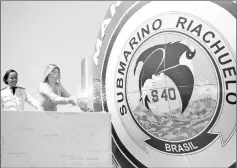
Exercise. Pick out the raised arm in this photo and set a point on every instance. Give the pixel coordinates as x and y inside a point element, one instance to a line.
<point>47,91</point>
<point>32,101</point>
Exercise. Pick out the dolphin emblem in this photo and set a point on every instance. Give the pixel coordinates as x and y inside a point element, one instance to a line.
<point>166,58</point>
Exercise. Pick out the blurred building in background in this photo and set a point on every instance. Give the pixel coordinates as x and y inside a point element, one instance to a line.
<point>83,74</point>
<point>86,73</point>
<point>87,78</point>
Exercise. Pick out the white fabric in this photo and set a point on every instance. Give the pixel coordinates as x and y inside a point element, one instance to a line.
<point>10,102</point>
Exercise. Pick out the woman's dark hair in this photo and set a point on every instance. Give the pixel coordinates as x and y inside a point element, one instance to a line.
<point>5,77</point>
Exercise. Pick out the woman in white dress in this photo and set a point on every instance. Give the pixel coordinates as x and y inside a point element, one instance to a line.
<point>51,91</point>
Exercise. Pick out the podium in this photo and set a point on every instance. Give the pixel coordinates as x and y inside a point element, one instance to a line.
<point>55,139</point>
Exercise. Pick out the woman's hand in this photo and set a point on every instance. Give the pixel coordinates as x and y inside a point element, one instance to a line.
<point>40,109</point>
<point>82,103</point>
<point>72,100</point>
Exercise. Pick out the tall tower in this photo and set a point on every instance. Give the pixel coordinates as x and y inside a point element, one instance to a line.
<point>83,74</point>
<point>87,78</point>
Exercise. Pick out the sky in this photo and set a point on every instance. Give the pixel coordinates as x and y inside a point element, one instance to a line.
<point>37,33</point>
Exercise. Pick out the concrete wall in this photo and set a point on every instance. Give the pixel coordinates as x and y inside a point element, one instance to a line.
<point>55,139</point>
